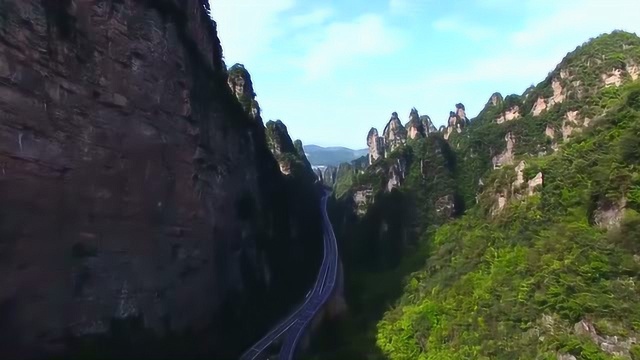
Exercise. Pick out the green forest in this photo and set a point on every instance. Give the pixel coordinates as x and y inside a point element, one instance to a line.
<point>437,268</point>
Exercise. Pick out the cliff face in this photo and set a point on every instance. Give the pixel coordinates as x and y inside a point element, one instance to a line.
<point>415,127</point>
<point>134,188</point>
<point>289,154</point>
<point>395,135</point>
<point>240,83</point>
<point>375,144</point>
<point>457,121</point>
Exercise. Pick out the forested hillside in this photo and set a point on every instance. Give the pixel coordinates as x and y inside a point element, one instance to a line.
<point>517,237</point>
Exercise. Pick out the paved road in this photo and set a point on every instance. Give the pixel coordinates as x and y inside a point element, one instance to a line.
<point>293,327</point>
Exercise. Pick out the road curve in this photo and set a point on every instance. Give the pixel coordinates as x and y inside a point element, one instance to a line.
<point>293,327</point>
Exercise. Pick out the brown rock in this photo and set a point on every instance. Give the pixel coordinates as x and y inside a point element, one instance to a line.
<point>395,135</point>
<point>119,201</point>
<point>376,145</point>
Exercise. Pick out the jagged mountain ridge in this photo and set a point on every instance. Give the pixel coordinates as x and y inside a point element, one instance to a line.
<point>549,188</point>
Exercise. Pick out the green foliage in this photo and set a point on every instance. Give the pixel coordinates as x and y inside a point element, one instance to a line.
<point>509,285</point>
<point>635,352</point>
<point>489,284</point>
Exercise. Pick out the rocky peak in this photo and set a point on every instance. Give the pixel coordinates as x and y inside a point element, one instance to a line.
<point>290,155</point>
<point>415,127</point>
<point>239,81</point>
<point>395,135</point>
<point>495,100</point>
<point>376,145</point>
<point>300,152</point>
<point>457,120</point>
<point>429,128</point>
<point>461,112</point>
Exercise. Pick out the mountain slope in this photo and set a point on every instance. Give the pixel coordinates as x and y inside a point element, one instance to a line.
<point>536,278</point>
<point>530,230</point>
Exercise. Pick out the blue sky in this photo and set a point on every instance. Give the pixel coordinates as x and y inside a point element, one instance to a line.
<point>330,69</point>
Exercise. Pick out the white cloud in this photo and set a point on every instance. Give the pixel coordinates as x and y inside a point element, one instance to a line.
<point>345,43</point>
<point>571,20</point>
<point>247,27</point>
<point>459,26</point>
<point>313,18</point>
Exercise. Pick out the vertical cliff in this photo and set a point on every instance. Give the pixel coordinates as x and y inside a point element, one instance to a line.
<point>139,201</point>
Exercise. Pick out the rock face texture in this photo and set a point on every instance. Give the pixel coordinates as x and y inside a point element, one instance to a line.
<point>506,157</point>
<point>289,154</point>
<point>613,345</point>
<point>134,188</point>
<point>496,99</point>
<point>457,121</point>
<point>397,173</point>
<point>608,215</point>
<point>415,128</point>
<point>241,85</point>
<point>427,124</point>
<point>327,174</point>
<point>362,198</point>
<point>395,135</point>
<point>376,145</point>
<point>510,114</point>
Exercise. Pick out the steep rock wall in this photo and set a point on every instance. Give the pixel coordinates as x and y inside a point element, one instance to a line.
<point>133,187</point>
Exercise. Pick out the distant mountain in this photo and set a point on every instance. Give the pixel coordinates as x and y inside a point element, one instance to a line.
<point>331,156</point>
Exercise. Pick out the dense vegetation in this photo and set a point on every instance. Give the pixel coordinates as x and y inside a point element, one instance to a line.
<point>493,288</point>
<point>511,283</point>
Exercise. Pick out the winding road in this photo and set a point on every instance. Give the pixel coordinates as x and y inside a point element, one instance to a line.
<point>292,329</point>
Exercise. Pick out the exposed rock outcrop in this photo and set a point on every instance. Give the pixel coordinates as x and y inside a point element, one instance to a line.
<point>506,157</point>
<point>612,345</point>
<point>395,135</point>
<point>327,174</point>
<point>241,85</point>
<point>520,189</point>
<point>415,128</point>
<point>550,132</point>
<point>397,173</point>
<point>558,93</point>
<point>609,214</point>
<point>500,202</point>
<point>362,198</point>
<point>290,155</point>
<point>457,120</point>
<point>613,78</point>
<point>496,99</point>
<point>532,184</point>
<point>427,124</point>
<point>539,106</point>
<point>572,123</point>
<point>135,190</point>
<point>510,114</point>
<point>376,145</point>
<point>634,71</point>
<point>535,183</point>
<point>445,207</point>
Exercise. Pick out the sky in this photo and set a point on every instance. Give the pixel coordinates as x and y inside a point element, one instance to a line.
<point>332,69</point>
